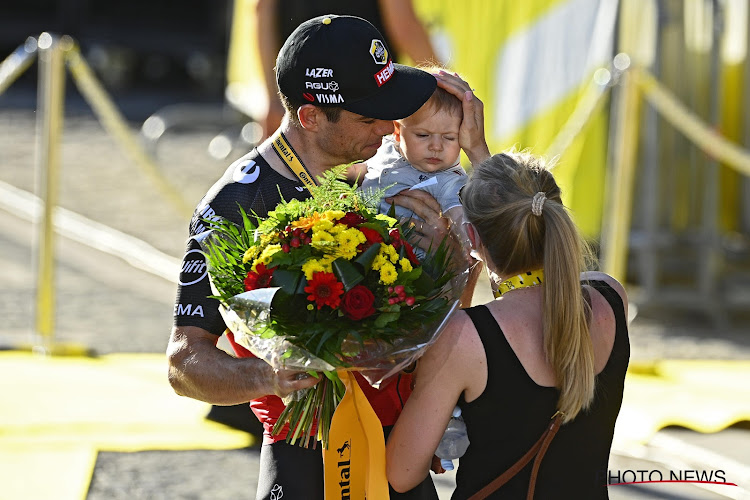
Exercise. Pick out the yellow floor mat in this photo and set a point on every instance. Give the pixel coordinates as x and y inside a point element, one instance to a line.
<point>57,412</point>
<point>705,396</point>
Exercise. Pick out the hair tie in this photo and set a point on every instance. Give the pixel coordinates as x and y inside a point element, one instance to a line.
<point>537,203</point>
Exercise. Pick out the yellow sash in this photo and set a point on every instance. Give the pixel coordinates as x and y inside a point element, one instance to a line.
<point>354,463</point>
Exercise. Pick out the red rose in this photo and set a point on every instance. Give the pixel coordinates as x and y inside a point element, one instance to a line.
<point>371,235</point>
<point>357,303</point>
<point>352,219</point>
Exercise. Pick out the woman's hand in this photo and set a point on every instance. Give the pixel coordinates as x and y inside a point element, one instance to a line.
<point>471,134</point>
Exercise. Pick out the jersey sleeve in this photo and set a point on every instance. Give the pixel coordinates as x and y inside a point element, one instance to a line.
<point>249,183</point>
<point>193,307</point>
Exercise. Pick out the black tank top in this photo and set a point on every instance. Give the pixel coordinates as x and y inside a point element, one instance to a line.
<point>513,411</point>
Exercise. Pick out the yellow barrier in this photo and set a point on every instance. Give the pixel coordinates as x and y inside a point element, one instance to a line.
<point>51,94</point>
<point>639,82</point>
<point>589,105</point>
<point>54,52</point>
<point>690,125</point>
<point>15,64</point>
<point>620,186</point>
<point>115,124</point>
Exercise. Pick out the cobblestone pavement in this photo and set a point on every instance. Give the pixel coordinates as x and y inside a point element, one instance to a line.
<point>111,307</point>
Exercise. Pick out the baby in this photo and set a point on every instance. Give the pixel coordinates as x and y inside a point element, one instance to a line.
<point>423,153</point>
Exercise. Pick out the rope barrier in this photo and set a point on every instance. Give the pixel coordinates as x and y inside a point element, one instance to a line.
<point>113,121</point>
<point>16,63</point>
<point>690,125</point>
<point>54,53</point>
<point>589,104</point>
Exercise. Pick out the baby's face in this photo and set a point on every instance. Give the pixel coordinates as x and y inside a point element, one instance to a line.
<point>429,140</point>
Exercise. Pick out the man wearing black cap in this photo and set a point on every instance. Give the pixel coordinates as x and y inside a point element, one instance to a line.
<point>340,89</point>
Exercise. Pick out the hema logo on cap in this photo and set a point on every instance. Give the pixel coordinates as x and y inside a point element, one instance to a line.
<point>378,52</point>
<point>385,74</point>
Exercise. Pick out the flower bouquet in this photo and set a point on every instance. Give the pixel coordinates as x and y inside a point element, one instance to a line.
<point>326,284</point>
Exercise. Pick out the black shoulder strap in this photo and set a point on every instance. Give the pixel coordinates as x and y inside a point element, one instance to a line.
<point>489,331</point>
<point>614,300</point>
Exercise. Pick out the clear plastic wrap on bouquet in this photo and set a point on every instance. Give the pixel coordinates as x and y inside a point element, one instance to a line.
<point>248,316</point>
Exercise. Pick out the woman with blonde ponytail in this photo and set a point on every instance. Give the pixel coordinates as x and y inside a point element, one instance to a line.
<point>551,351</point>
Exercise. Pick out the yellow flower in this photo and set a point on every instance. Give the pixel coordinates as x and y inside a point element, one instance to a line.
<point>250,254</point>
<point>266,254</point>
<point>405,265</point>
<point>389,252</point>
<point>390,220</point>
<point>323,225</point>
<point>327,263</point>
<point>339,228</point>
<point>312,266</point>
<point>388,273</point>
<point>379,261</point>
<point>348,241</point>
<point>333,215</point>
<point>266,239</point>
<point>322,239</point>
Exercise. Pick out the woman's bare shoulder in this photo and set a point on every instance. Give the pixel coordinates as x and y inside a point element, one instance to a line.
<point>616,285</point>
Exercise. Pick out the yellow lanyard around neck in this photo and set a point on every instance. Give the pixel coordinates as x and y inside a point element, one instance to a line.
<point>289,156</point>
<point>527,279</point>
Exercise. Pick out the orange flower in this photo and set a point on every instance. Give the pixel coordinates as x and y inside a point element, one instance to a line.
<point>325,290</point>
<point>306,223</point>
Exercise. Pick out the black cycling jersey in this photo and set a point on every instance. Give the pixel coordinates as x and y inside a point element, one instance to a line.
<point>251,183</point>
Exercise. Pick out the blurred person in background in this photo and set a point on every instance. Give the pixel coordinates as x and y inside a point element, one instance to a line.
<point>396,20</point>
<point>341,91</point>
<point>553,348</point>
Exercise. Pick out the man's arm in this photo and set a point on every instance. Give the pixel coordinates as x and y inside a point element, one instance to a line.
<point>198,369</point>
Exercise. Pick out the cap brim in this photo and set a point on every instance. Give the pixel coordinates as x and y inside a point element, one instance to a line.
<point>406,92</point>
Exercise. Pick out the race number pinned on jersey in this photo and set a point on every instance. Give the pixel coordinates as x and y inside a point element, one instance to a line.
<point>354,463</point>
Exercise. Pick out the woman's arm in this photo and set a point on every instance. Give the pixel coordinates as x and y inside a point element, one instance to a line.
<point>441,377</point>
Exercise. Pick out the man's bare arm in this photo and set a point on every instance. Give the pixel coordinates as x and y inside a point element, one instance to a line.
<point>198,369</point>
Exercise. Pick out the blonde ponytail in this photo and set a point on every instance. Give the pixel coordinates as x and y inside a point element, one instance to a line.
<point>514,202</point>
<point>565,315</point>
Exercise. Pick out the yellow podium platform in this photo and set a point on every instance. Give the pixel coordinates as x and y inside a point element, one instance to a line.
<point>56,413</point>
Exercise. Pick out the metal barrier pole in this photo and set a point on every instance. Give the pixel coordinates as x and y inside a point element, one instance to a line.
<point>709,256</point>
<point>50,96</point>
<point>616,223</point>
<point>15,64</point>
